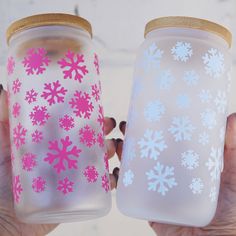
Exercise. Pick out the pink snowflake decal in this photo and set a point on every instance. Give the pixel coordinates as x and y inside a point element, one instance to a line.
<point>37,136</point>
<point>65,186</point>
<point>54,92</point>
<point>81,103</point>
<point>31,96</point>
<point>16,188</point>
<point>16,109</point>
<point>106,161</point>
<point>62,155</point>
<point>39,184</point>
<point>87,136</point>
<point>105,183</point>
<point>96,63</point>
<point>19,134</point>
<point>101,117</point>
<point>96,92</point>
<point>100,140</point>
<point>67,122</point>
<point>28,161</point>
<point>10,65</point>
<point>73,66</point>
<point>39,116</point>
<point>16,86</point>
<point>91,174</point>
<point>36,61</point>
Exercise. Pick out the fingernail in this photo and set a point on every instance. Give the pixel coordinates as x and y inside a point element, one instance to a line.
<point>113,121</point>
<point>115,142</point>
<point>1,88</point>
<point>122,125</point>
<point>115,172</point>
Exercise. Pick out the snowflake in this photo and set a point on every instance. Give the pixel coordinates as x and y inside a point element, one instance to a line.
<point>106,161</point>
<point>209,118</point>
<point>73,66</point>
<point>129,150</point>
<point>96,92</point>
<point>16,188</point>
<point>154,111</point>
<point>100,140</point>
<point>19,134</point>
<point>37,136</point>
<point>36,61</point>
<point>128,178</point>
<point>54,92</point>
<point>87,136</point>
<point>205,96</point>
<point>213,194</point>
<point>165,80</point>
<point>190,159</point>
<point>91,174</point>
<point>38,184</point>
<point>221,102</point>
<point>203,138</point>
<point>16,86</point>
<point>39,116</point>
<point>196,186</point>
<point>62,155</point>
<point>100,118</point>
<point>214,63</point>
<point>105,183</point>
<point>191,77</point>
<point>66,122</point>
<point>152,144</point>
<point>222,134</point>
<point>183,101</point>
<point>181,128</point>
<point>16,109</point>
<point>214,163</point>
<point>10,65</point>
<point>28,161</point>
<point>96,63</point>
<point>152,57</point>
<point>31,96</point>
<point>82,105</point>
<point>65,186</point>
<point>182,51</point>
<point>161,178</point>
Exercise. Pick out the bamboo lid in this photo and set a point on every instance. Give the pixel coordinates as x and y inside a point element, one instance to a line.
<point>189,22</point>
<point>48,19</point>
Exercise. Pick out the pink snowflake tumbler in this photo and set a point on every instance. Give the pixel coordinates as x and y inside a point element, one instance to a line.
<point>59,161</point>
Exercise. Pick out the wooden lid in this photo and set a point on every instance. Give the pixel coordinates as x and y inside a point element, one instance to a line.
<point>189,22</point>
<point>48,19</point>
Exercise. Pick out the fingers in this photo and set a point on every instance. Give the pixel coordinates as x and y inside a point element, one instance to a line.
<point>111,147</point>
<point>119,147</point>
<point>109,124</point>
<point>114,178</point>
<point>122,127</point>
<point>3,105</point>
<point>230,136</point>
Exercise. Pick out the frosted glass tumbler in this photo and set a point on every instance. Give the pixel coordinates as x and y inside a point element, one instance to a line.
<point>174,142</point>
<point>59,163</point>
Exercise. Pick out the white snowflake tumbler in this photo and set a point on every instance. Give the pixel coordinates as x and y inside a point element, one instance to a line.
<point>59,163</point>
<point>174,142</point>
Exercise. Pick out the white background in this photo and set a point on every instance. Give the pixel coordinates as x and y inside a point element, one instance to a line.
<point>118,28</point>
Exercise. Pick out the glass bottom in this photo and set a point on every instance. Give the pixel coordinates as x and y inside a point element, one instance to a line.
<point>52,217</point>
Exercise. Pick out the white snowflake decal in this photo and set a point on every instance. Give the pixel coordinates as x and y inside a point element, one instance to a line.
<point>221,102</point>
<point>128,178</point>
<point>196,186</point>
<point>190,159</point>
<point>205,96</point>
<point>165,80</point>
<point>152,144</point>
<point>214,63</point>
<point>203,138</point>
<point>152,57</point>
<point>183,101</point>
<point>182,51</point>
<point>161,179</point>
<point>213,194</point>
<point>154,111</point>
<point>209,118</point>
<point>181,128</point>
<point>129,150</point>
<point>191,78</point>
<point>214,163</point>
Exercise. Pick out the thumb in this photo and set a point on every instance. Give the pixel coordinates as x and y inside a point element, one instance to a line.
<point>3,105</point>
<point>230,136</point>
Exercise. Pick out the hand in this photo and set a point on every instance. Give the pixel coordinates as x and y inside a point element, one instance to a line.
<point>9,224</point>
<point>224,222</point>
